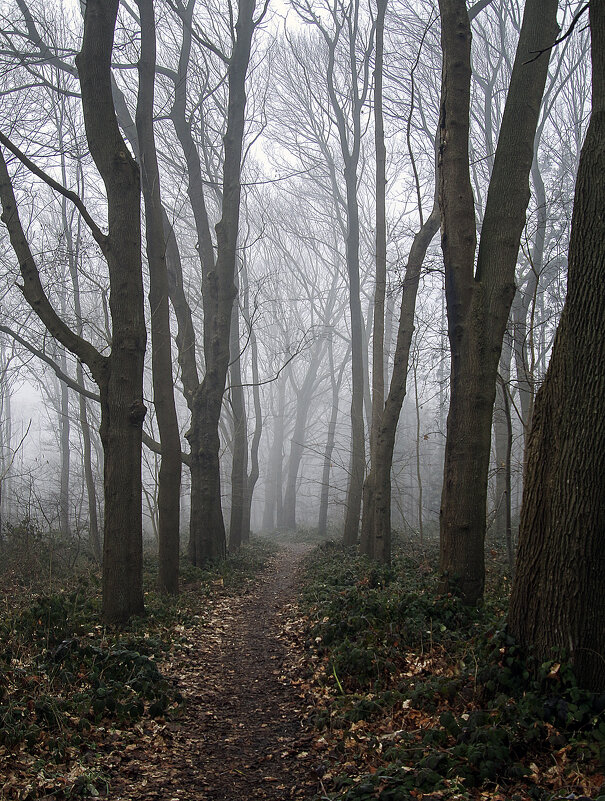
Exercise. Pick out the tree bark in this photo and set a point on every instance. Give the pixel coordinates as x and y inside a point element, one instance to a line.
<point>501,421</point>
<point>258,414</point>
<point>169,479</point>
<point>479,301</point>
<point>121,388</point>
<point>557,603</point>
<point>119,375</point>
<point>218,293</point>
<point>239,465</point>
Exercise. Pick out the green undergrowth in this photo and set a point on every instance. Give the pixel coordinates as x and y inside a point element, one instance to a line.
<point>66,679</point>
<point>427,698</point>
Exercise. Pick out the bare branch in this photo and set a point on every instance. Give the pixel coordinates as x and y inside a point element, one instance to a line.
<point>99,237</point>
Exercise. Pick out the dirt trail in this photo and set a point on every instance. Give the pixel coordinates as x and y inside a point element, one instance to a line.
<point>242,734</point>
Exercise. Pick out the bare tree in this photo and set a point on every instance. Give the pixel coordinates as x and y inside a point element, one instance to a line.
<point>479,298</point>
<point>119,375</point>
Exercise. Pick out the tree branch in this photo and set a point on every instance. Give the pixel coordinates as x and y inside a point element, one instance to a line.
<point>61,375</point>
<point>32,286</point>
<point>99,237</point>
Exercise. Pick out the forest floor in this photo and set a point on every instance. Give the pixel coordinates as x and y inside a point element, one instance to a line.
<point>241,734</point>
<point>284,673</point>
<point>200,700</point>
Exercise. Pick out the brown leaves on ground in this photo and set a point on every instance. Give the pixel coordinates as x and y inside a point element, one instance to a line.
<point>241,731</point>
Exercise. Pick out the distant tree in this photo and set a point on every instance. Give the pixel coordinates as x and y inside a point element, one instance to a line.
<point>557,602</point>
<point>346,49</point>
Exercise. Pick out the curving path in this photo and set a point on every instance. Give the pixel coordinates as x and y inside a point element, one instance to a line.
<point>242,734</point>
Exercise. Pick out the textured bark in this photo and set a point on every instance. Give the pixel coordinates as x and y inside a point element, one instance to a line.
<point>479,301</point>
<point>557,603</point>
<point>122,409</point>
<point>218,293</point>
<point>169,478</point>
<point>119,375</point>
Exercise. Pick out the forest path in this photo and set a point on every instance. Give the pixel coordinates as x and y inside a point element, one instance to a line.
<point>241,735</point>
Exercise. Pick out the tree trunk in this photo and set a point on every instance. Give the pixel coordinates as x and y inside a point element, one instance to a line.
<point>64,430</point>
<point>322,525</point>
<point>119,375</point>
<point>378,383</point>
<point>376,523</point>
<point>91,491</point>
<point>258,414</point>
<point>557,603</point>
<point>239,466</point>
<point>524,305</point>
<point>357,463</point>
<point>304,396</point>
<point>418,470</point>
<point>501,427</point>
<point>479,301</point>
<point>169,480</point>
<point>273,486</point>
<point>121,388</point>
<point>218,292</point>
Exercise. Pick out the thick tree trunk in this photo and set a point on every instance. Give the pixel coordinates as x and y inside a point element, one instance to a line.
<point>479,301</point>
<point>121,388</point>
<point>119,375</point>
<point>558,603</point>
<point>169,480</point>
